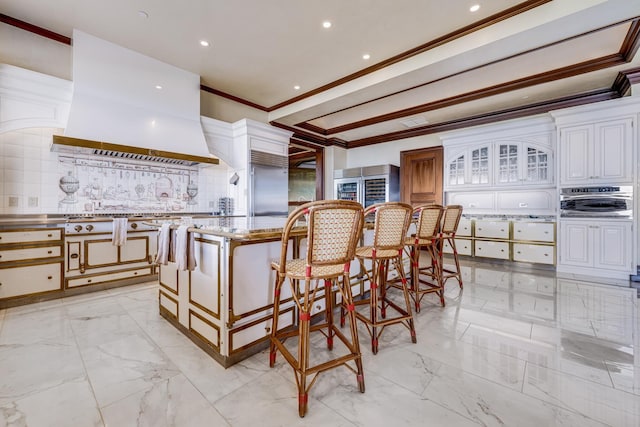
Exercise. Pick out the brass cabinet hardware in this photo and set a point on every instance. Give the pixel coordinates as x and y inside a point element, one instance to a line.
<point>82,267</point>
<point>73,256</point>
<point>49,235</point>
<point>232,318</point>
<point>89,281</point>
<point>77,228</point>
<point>134,225</point>
<point>89,227</point>
<point>49,252</point>
<point>49,277</point>
<point>267,329</point>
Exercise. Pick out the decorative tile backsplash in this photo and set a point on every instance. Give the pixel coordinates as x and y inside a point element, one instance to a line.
<point>36,180</point>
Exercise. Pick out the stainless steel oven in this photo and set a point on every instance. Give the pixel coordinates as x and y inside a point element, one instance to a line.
<point>604,201</point>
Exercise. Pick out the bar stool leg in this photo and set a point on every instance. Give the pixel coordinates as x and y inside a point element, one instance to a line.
<point>376,266</point>
<point>415,276</point>
<point>328,313</point>
<point>303,350</point>
<point>355,342</point>
<point>407,298</point>
<point>458,272</point>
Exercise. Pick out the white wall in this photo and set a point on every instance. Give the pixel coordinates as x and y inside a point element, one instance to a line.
<point>388,152</point>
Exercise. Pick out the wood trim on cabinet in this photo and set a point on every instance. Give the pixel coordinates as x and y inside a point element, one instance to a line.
<point>232,332</point>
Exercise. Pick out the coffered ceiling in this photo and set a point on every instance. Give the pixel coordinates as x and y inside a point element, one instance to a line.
<point>433,65</point>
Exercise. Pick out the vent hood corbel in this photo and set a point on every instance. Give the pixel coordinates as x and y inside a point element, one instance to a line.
<point>127,105</point>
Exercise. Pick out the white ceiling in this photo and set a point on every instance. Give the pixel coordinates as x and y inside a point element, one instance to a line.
<point>259,50</point>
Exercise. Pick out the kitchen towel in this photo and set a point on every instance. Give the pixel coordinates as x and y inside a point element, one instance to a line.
<point>185,249</point>
<point>164,235</point>
<point>119,231</point>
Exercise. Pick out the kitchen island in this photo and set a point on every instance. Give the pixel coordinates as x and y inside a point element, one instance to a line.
<point>225,305</point>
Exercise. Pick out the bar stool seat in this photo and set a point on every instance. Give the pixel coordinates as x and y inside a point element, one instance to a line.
<point>392,221</point>
<point>333,230</point>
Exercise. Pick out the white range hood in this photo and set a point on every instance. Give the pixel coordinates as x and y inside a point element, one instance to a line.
<point>125,101</point>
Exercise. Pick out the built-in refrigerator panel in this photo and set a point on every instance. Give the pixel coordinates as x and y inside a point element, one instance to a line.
<point>269,189</point>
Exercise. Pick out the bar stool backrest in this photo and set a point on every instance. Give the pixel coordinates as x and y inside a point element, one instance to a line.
<point>333,231</point>
<point>452,214</point>
<point>392,221</point>
<point>429,219</point>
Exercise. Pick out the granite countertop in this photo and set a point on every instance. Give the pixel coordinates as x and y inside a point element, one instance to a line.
<point>238,228</point>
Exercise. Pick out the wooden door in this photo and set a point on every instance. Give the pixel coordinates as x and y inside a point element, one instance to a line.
<point>421,176</point>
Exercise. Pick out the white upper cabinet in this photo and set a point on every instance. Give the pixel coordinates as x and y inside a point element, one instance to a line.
<point>521,162</point>
<point>504,155</point>
<point>597,153</point>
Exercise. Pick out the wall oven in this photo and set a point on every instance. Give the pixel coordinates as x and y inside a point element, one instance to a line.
<point>609,201</point>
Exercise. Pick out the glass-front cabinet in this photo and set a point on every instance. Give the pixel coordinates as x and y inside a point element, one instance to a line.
<point>521,162</point>
<point>510,163</point>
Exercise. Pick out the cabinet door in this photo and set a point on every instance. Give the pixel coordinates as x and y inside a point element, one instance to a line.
<point>575,152</point>
<point>613,151</point>
<point>100,253</point>
<point>135,250</point>
<point>576,244</point>
<point>507,164</point>
<point>613,246</point>
<point>536,165</point>
<point>456,171</point>
<point>32,279</point>
<point>479,165</point>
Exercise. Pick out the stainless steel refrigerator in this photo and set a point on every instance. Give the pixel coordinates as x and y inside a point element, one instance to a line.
<point>368,185</point>
<point>269,189</point>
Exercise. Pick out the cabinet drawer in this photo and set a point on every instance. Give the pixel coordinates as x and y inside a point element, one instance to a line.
<point>541,254</point>
<point>18,281</point>
<point>241,337</point>
<point>168,303</point>
<point>100,278</point>
<point>492,229</point>
<point>30,236</point>
<point>30,253</point>
<point>464,227</point>
<point>534,231</point>
<point>205,329</point>
<point>489,249</point>
<point>462,245</point>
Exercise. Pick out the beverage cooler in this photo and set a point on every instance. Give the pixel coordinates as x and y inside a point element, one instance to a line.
<point>368,185</point>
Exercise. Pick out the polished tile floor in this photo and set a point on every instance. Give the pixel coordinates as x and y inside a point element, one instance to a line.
<point>514,348</point>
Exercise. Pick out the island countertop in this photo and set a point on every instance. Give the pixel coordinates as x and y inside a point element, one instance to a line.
<point>237,228</point>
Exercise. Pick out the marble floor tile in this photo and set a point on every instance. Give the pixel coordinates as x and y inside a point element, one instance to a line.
<point>514,347</point>
<point>605,404</point>
<point>122,367</point>
<point>69,404</point>
<point>171,402</point>
<point>490,404</point>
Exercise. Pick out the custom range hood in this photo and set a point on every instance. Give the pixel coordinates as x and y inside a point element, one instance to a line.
<point>127,105</point>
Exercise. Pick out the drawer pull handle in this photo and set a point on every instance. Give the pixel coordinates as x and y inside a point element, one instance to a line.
<point>89,281</point>
<point>49,235</point>
<point>49,252</point>
<point>73,256</point>
<point>49,277</point>
<point>519,252</point>
<point>135,273</point>
<point>134,225</point>
<point>267,329</point>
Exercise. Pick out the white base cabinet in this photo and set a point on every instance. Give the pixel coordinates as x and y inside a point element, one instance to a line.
<point>598,248</point>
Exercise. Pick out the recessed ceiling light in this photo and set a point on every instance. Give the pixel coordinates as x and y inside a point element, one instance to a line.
<point>142,14</point>
<point>158,87</point>
<point>474,8</point>
<point>204,43</point>
<point>366,56</point>
<point>296,87</point>
<point>326,24</point>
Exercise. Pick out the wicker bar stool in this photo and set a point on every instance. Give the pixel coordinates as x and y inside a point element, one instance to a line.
<point>333,230</point>
<point>450,221</point>
<point>391,223</point>
<point>426,278</point>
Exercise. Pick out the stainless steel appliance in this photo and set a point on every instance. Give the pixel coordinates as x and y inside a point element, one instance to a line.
<point>368,185</point>
<point>604,201</point>
<point>269,189</point>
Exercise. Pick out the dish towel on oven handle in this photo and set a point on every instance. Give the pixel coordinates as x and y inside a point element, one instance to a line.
<point>164,235</point>
<point>185,249</point>
<point>119,231</point>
